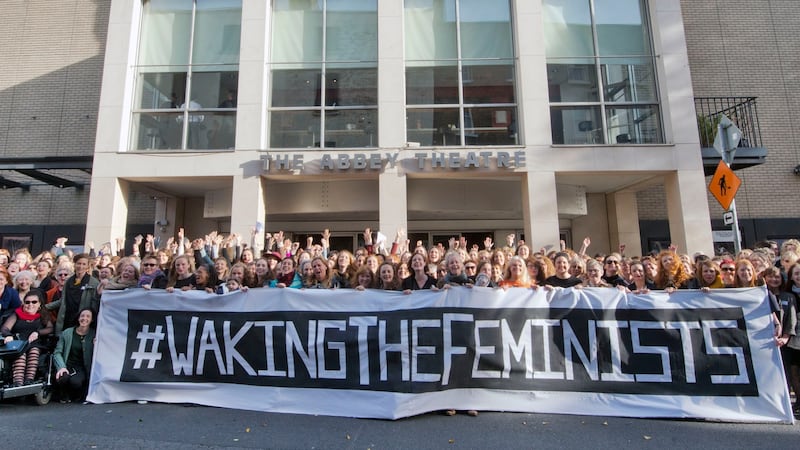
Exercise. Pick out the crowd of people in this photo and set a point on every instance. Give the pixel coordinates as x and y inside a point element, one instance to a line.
<point>58,293</point>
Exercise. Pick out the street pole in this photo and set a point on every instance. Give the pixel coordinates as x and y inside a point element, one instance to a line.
<point>728,159</point>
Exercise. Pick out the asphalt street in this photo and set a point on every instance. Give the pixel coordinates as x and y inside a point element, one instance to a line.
<point>131,425</point>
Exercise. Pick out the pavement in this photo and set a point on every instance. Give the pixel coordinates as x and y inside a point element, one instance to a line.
<point>153,425</point>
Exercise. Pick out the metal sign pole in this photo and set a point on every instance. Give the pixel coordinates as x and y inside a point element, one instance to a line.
<point>727,158</point>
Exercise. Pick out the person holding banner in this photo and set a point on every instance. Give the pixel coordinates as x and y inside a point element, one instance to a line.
<point>364,279</point>
<point>321,276</point>
<point>288,276</point>
<point>419,279</point>
<point>516,274</point>
<point>562,277</point>
<point>790,351</point>
<point>387,277</point>
<point>671,271</point>
<point>454,272</point>
<point>73,357</point>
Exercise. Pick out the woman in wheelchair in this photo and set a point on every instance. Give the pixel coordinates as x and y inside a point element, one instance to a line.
<point>27,323</point>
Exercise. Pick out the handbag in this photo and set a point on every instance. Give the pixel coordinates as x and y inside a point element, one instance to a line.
<point>15,346</point>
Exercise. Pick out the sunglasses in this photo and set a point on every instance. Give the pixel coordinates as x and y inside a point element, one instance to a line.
<point>612,262</point>
<point>728,269</point>
<point>63,275</point>
<point>470,267</point>
<point>149,264</point>
<point>35,302</point>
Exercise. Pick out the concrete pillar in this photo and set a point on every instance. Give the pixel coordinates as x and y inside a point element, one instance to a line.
<point>108,210</point>
<point>540,210</point>
<point>251,106</point>
<point>391,75</point>
<point>248,208</point>
<point>392,202</point>
<point>623,222</point>
<point>687,210</point>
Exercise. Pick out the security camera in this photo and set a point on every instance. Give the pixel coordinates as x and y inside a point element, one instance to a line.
<point>162,222</point>
<point>796,170</point>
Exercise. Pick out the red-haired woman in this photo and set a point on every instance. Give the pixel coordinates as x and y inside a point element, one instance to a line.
<point>671,271</point>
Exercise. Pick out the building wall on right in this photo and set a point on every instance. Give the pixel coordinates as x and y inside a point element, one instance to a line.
<point>750,48</point>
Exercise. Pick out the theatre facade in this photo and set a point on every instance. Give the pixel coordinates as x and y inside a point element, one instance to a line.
<point>439,117</point>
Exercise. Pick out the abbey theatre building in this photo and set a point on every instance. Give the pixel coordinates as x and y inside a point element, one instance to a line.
<point>441,117</point>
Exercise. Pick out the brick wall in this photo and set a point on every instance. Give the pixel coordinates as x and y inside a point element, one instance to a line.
<point>750,48</point>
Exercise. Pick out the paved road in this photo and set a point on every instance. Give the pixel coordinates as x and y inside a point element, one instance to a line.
<point>130,425</point>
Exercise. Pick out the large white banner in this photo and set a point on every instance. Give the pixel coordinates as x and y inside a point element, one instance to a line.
<point>388,355</point>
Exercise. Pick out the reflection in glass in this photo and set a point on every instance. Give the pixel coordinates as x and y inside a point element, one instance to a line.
<point>488,84</point>
<point>217,32</point>
<point>482,126</point>
<point>161,90</point>
<point>620,29</point>
<point>575,125</point>
<point>154,130</point>
<point>634,124</point>
<point>485,29</point>
<point>432,85</point>
<point>629,80</point>
<point>567,28</point>
<point>351,128</point>
<point>294,129</point>
<point>572,82</point>
<point>213,89</point>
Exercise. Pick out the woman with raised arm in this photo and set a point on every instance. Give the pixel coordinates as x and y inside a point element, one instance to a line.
<point>80,291</point>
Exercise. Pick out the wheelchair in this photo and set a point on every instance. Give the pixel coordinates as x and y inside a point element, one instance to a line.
<point>41,388</point>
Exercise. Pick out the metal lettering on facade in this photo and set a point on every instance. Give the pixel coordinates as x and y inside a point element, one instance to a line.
<point>377,161</point>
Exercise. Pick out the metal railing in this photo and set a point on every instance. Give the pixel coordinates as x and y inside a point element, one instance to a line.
<point>742,111</point>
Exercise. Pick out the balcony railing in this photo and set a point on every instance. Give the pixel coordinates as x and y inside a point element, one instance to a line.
<point>743,112</point>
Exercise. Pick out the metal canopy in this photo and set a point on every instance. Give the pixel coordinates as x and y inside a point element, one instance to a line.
<point>70,171</point>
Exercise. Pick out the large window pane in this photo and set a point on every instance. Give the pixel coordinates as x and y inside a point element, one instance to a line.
<point>567,28</point>
<point>352,30</point>
<point>629,80</point>
<point>166,32</point>
<point>634,124</point>
<point>213,89</point>
<point>351,87</point>
<point>160,90</point>
<point>433,127</point>
<point>488,83</point>
<point>430,31</point>
<point>296,31</point>
<point>490,126</point>
<point>432,85</point>
<point>221,129</point>
<point>620,29</point>
<point>299,87</point>
<point>576,125</point>
<point>572,82</point>
<point>217,32</point>
<point>157,131</point>
<point>485,29</point>
<point>294,129</point>
<point>351,128</point>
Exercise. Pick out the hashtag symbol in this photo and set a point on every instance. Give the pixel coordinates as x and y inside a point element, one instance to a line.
<point>151,356</point>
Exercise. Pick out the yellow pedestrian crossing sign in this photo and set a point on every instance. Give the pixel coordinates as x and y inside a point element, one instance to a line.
<point>724,185</point>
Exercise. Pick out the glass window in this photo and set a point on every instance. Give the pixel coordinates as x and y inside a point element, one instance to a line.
<point>601,72</point>
<point>460,87</point>
<point>188,75</point>
<point>324,74</point>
